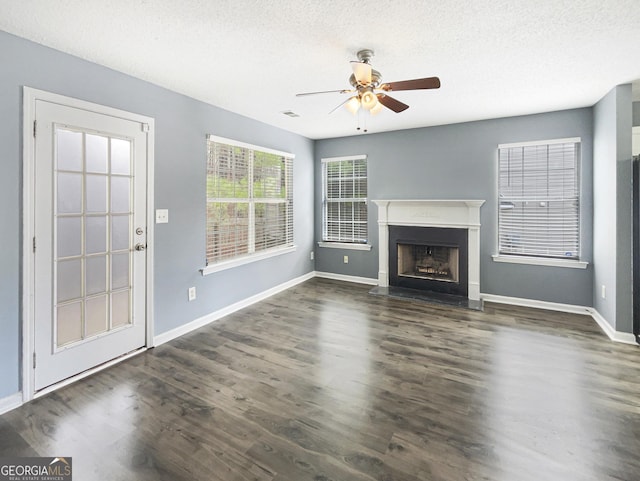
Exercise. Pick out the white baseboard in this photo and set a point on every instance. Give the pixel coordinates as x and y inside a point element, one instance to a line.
<point>343,277</point>
<point>225,311</point>
<point>550,306</point>
<point>624,337</point>
<point>10,402</point>
<point>617,336</point>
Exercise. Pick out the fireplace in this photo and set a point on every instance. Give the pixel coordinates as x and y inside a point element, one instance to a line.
<point>429,258</point>
<point>429,262</point>
<point>450,224</point>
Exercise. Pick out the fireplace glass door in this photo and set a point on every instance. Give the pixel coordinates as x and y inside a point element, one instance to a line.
<point>438,263</point>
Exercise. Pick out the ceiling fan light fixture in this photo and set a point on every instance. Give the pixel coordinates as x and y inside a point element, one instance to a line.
<point>368,99</point>
<point>376,108</point>
<point>352,105</point>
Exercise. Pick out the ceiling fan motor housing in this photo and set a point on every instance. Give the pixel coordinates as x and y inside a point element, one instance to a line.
<point>365,55</point>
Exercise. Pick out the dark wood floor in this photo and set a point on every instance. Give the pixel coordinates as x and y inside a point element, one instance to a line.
<point>324,382</point>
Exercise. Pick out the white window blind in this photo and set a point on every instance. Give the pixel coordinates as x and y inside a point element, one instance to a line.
<point>344,182</point>
<point>539,204</point>
<point>249,200</point>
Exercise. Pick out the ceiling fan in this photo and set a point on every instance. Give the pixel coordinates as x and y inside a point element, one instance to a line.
<point>369,93</point>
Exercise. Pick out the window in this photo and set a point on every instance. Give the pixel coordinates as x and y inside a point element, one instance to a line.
<point>344,185</point>
<point>249,200</point>
<point>539,204</point>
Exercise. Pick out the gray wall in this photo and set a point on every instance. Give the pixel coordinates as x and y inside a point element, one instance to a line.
<point>180,167</point>
<point>460,162</point>
<point>613,212</point>
<point>636,114</point>
<point>604,199</point>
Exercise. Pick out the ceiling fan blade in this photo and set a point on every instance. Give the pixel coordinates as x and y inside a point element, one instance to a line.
<point>416,84</point>
<point>392,103</point>
<point>362,72</point>
<point>341,91</point>
<point>340,105</point>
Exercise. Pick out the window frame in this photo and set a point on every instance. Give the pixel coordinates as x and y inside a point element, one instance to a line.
<point>343,243</point>
<point>532,258</point>
<point>251,200</point>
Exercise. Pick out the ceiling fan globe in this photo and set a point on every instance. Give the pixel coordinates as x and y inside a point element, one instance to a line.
<point>368,99</point>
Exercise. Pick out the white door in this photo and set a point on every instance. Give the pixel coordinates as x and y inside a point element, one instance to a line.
<point>90,238</point>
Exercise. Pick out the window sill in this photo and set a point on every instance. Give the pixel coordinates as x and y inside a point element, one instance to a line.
<point>540,261</point>
<point>224,265</point>
<point>345,245</point>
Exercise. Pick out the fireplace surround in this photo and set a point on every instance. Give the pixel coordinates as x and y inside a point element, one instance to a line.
<point>463,215</point>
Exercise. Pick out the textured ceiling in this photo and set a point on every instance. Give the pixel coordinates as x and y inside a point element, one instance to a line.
<point>495,58</point>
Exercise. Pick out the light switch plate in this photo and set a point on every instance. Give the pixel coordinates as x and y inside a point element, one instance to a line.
<point>162,216</point>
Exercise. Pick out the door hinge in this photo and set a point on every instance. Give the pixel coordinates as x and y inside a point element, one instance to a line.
<point>145,127</point>
<point>34,127</point>
<point>34,244</point>
<point>34,360</point>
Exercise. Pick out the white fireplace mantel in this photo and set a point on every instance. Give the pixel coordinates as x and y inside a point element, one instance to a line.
<point>457,214</point>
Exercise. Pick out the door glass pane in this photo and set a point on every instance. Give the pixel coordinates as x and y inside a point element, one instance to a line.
<point>96,234</point>
<point>97,153</point>
<point>95,316</point>
<point>69,195</point>
<point>119,309</point>
<point>96,275</point>
<point>120,194</point>
<point>69,236</point>
<point>119,232</point>
<point>69,323</point>
<point>93,219</point>
<point>120,270</point>
<point>69,279</point>
<point>69,150</point>
<point>120,156</point>
<point>96,195</point>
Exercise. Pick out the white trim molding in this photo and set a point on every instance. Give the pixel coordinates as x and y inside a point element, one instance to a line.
<point>345,245</point>
<point>454,213</point>
<point>540,261</point>
<point>11,402</point>
<point>617,336</point>
<point>568,140</point>
<point>248,259</point>
<point>225,311</point>
<point>244,145</point>
<point>549,306</point>
<point>346,157</point>
<point>346,278</point>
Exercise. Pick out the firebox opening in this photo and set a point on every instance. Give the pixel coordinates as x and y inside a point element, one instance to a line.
<point>432,262</point>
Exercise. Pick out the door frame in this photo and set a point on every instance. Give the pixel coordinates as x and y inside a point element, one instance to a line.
<point>30,96</point>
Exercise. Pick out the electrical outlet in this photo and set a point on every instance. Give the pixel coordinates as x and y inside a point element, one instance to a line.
<point>311,255</point>
<point>603,292</point>
<point>192,294</point>
<point>345,259</point>
<point>162,216</point>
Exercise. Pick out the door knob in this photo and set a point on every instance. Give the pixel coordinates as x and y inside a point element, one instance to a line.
<point>140,247</point>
